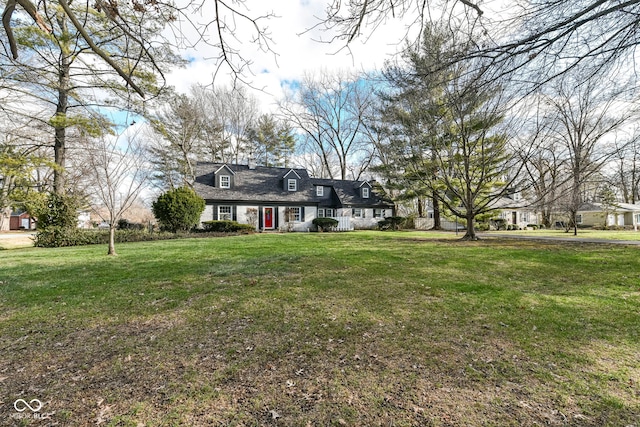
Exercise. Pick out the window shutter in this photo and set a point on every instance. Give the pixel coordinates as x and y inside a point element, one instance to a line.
<point>302,214</point>
<point>215,212</point>
<point>234,213</point>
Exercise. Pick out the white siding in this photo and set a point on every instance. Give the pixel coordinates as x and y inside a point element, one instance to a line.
<point>207,214</point>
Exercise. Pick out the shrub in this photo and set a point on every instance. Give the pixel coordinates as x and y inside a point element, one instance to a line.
<point>482,226</point>
<point>224,226</point>
<point>500,223</point>
<point>178,209</point>
<point>54,237</point>
<point>124,224</point>
<point>325,224</point>
<point>532,226</point>
<point>391,223</point>
<point>55,210</point>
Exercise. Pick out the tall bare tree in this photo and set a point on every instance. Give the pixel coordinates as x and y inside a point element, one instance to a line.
<point>583,118</point>
<point>330,110</point>
<point>626,173</point>
<point>178,128</point>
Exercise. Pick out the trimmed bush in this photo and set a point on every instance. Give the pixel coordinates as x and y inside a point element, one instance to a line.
<point>325,224</point>
<point>225,226</point>
<point>178,209</point>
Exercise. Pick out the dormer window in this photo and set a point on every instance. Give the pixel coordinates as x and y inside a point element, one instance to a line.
<point>292,185</point>
<point>365,192</point>
<point>225,181</point>
<point>319,191</point>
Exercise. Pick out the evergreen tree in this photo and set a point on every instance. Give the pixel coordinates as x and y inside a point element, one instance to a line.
<point>443,128</point>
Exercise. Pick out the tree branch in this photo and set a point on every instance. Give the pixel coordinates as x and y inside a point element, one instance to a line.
<point>102,54</point>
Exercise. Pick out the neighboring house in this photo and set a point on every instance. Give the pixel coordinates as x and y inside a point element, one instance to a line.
<point>622,214</point>
<point>510,209</point>
<point>84,219</point>
<point>514,210</point>
<point>286,198</point>
<point>21,221</point>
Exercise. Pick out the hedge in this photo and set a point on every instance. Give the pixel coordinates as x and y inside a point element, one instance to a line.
<point>58,237</point>
<point>325,224</point>
<point>225,226</point>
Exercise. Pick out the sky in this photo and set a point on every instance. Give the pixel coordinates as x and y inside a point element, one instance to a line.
<point>297,50</point>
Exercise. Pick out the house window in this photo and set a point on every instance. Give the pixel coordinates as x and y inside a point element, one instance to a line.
<point>578,218</point>
<point>357,213</point>
<point>378,213</point>
<point>326,213</point>
<point>294,214</point>
<point>292,185</point>
<point>524,216</point>
<point>319,191</point>
<point>365,192</point>
<point>225,181</point>
<point>224,213</point>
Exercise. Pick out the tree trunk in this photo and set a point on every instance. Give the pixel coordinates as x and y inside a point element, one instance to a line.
<point>60,125</point>
<point>436,213</point>
<point>112,240</point>
<point>5,219</point>
<point>471,230</point>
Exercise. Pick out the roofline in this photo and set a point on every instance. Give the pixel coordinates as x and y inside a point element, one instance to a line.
<point>223,165</point>
<point>292,170</point>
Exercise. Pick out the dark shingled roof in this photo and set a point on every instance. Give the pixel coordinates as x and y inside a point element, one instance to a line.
<point>267,185</point>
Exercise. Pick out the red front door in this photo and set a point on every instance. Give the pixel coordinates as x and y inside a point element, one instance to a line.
<point>268,217</point>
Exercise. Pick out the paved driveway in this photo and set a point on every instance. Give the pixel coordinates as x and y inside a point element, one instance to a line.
<point>558,239</point>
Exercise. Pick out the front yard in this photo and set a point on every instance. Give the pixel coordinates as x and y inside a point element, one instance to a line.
<point>362,328</point>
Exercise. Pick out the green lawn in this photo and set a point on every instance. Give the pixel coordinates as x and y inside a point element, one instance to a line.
<point>322,329</point>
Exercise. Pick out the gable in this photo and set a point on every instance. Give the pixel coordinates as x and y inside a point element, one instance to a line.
<point>224,177</point>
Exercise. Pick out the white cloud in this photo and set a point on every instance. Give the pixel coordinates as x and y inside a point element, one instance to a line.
<point>297,47</point>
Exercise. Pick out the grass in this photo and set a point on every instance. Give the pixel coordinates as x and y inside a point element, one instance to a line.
<point>15,240</point>
<point>323,329</point>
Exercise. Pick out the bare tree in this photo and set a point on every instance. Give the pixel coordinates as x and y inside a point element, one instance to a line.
<point>349,20</point>
<point>178,130</point>
<point>583,117</point>
<point>238,111</point>
<point>626,173</point>
<point>330,110</point>
<point>119,171</point>
<point>541,40</point>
